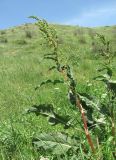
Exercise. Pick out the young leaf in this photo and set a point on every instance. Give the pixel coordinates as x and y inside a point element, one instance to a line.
<point>34,17</point>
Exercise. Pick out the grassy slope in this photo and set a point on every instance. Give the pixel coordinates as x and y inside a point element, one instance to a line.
<point>22,68</point>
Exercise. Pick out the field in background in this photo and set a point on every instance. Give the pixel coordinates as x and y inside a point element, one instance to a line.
<point>22,68</point>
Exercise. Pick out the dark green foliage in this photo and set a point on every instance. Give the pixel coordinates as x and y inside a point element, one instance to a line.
<point>78,32</point>
<point>110,100</point>
<point>105,49</point>
<point>106,78</point>
<point>28,34</point>
<point>110,84</point>
<point>82,40</point>
<point>21,42</point>
<point>108,69</point>
<point>95,48</point>
<point>102,46</point>
<point>91,33</point>
<point>3,40</point>
<point>48,111</point>
<point>13,30</point>
<point>3,32</point>
<point>43,109</point>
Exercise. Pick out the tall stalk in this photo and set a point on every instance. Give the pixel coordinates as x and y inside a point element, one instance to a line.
<point>110,84</point>
<point>52,39</point>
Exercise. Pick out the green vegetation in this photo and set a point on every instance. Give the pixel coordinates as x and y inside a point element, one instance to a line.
<point>23,66</point>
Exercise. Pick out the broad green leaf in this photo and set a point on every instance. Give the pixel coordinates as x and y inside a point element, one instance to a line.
<point>42,109</point>
<point>47,110</point>
<point>90,105</point>
<point>103,78</point>
<point>88,102</point>
<point>111,84</point>
<point>56,143</point>
<point>109,70</point>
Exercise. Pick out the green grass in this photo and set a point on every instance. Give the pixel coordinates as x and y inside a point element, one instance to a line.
<point>22,68</point>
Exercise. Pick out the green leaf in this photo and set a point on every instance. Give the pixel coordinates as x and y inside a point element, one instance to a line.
<point>90,105</point>
<point>47,110</point>
<point>56,143</point>
<point>101,77</point>
<point>34,17</point>
<point>88,102</point>
<point>57,119</point>
<point>111,85</point>
<point>54,82</point>
<point>102,38</point>
<point>109,70</point>
<point>42,109</point>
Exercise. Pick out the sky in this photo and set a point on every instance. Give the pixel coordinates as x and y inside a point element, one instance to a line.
<point>90,13</point>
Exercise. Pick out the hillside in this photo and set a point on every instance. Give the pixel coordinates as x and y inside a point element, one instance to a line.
<point>22,68</point>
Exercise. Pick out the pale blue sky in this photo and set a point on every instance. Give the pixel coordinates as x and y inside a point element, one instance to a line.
<point>70,12</point>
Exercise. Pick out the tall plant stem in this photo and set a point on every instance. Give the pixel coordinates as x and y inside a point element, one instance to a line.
<point>79,105</point>
<point>52,39</point>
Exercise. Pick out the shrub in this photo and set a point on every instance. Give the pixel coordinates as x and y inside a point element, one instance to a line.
<point>3,40</point>
<point>82,40</point>
<point>78,32</point>
<point>21,42</point>
<point>91,33</point>
<point>28,34</point>
<point>95,47</point>
<point>60,40</point>
<point>12,30</point>
<point>3,32</point>
<point>52,39</point>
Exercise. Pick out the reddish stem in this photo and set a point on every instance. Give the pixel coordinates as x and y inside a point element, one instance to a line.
<point>78,104</point>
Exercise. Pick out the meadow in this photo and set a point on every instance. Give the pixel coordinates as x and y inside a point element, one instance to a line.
<point>22,68</point>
